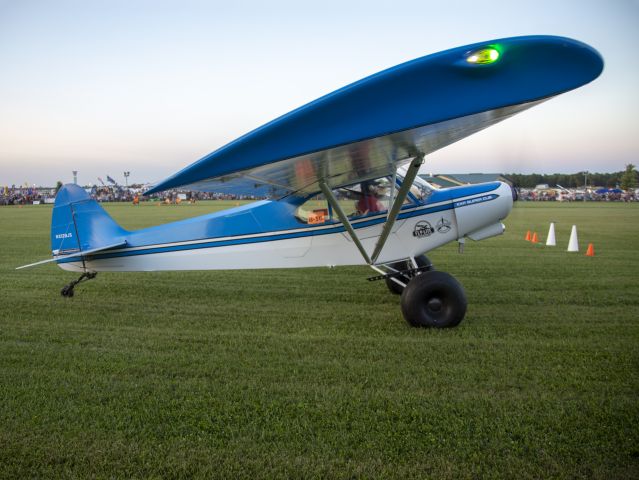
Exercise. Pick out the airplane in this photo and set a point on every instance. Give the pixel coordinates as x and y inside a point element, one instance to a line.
<point>341,173</point>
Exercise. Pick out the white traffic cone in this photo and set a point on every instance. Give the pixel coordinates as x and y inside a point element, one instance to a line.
<point>573,244</point>
<point>550,241</point>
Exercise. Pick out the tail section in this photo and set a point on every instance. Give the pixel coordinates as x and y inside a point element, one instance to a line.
<point>80,224</point>
<point>79,227</point>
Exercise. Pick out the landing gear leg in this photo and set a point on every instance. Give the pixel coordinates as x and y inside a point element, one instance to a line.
<point>67,290</point>
<point>422,261</point>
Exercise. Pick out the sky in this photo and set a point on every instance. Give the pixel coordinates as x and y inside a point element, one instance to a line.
<point>149,87</point>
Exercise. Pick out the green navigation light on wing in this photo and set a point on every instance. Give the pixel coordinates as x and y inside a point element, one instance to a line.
<point>484,56</point>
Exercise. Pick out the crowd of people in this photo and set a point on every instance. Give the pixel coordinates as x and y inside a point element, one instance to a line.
<point>38,195</point>
<point>548,194</point>
<point>25,195</point>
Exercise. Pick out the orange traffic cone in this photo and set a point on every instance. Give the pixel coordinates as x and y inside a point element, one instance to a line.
<point>591,250</point>
<point>535,239</point>
<point>528,236</point>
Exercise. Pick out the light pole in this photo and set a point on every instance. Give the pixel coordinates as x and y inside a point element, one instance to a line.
<point>126,179</point>
<point>75,177</point>
<point>585,183</point>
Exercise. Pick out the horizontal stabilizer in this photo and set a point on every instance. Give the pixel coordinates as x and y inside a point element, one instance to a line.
<point>78,254</point>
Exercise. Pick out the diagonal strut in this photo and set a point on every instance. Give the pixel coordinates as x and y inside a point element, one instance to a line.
<point>397,204</point>
<point>344,219</point>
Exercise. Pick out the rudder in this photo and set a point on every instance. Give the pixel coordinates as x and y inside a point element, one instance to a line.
<point>79,223</point>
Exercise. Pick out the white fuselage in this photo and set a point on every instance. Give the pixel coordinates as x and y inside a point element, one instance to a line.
<point>418,229</point>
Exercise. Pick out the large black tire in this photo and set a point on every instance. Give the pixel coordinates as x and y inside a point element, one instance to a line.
<point>394,287</point>
<point>423,261</point>
<point>434,299</point>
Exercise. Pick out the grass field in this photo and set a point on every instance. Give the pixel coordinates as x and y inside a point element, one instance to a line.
<point>314,374</point>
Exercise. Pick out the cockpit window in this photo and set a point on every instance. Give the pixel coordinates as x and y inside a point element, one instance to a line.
<point>364,198</point>
<point>420,189</point>
<point>313,211</point>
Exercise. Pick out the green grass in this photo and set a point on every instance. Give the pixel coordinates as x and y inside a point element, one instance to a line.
<point>314,374</point>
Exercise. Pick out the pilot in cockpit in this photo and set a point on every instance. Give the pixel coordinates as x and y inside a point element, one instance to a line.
<point>369,201</point>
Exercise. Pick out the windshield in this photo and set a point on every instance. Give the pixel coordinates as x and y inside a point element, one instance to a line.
<point>420,189</point>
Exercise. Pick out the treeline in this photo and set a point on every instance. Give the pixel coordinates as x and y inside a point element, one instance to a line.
<point>567,180</point>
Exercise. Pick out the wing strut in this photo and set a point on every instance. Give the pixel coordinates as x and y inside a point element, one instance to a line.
<point>397,204</point>
<point>392,191</point>
<point>344,219</point>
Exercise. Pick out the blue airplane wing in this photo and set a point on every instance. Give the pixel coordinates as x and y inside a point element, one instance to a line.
<point>369,128</point>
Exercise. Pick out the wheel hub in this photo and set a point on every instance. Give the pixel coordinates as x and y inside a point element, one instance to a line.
<point>435,305</point>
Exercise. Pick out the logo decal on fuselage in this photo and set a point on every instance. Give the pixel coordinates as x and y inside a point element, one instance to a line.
<point>423,229</point>
<point>443,226</point>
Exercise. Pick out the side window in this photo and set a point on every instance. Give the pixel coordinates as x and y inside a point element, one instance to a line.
<point>347,197</point>
<point>364,198</point>
<point>314,211</point>
<point>374,197</point>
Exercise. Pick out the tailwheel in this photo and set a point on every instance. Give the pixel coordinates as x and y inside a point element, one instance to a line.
<point>396,288</point>
<point>434,299</point>
<point>68,290</point>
